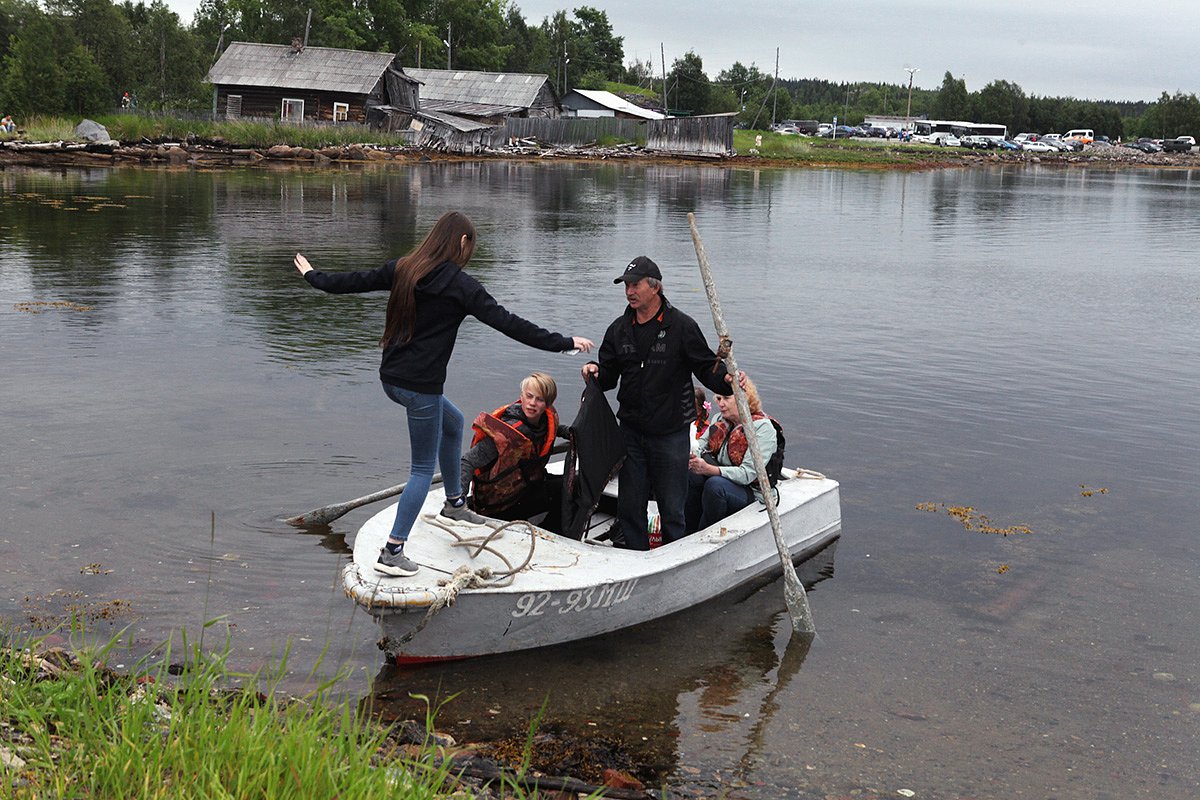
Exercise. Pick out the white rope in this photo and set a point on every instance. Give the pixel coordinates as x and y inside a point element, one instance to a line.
<point>801,472</point>
<point>468,577</point>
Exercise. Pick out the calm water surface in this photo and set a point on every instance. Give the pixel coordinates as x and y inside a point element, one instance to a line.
<point>1006,339</point>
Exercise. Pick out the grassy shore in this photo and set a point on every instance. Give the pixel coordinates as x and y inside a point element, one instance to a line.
<point>785,150</point>
<point>71,728</point>
<point>805,151</point>
<point>131,129</point>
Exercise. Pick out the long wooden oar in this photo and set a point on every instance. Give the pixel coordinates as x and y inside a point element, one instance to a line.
<point>793,590</point>
<point>327,514</point>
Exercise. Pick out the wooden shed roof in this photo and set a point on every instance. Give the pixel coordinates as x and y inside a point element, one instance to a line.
<point>327,69</point>
<point>483,88</point>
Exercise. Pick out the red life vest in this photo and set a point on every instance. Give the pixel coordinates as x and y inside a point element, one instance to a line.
<point>737,440</point>
<point>519,466</point>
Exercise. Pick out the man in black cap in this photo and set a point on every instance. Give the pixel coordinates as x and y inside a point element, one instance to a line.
<point>654,349</point>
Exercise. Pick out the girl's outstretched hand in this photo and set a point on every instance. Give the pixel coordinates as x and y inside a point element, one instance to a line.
<point>302,265</point>
<point>583,344</point>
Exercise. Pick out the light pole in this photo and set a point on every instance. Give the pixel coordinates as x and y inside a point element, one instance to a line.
<point>446,42</point>
<point>908,113</point>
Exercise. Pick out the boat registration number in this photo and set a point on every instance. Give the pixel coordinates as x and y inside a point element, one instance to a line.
<point>535,604</point>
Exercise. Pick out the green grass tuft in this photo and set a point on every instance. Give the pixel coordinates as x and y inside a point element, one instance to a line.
<point>84,731</point>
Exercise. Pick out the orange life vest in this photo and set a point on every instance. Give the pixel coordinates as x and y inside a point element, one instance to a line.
<point>519,466</point>
<point>737,440</point>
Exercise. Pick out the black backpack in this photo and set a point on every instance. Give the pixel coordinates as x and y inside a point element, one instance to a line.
<point>775,462</point>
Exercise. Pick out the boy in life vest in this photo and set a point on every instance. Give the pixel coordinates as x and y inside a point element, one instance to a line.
<point>722,478</point>
<point>508,455</point>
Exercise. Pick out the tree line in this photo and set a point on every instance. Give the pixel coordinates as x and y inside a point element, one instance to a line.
<point>81,56</point>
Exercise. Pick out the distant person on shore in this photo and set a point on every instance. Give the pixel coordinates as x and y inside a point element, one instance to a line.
<point>7,125</point>
<point>430,296</point>
<point>506,465</point>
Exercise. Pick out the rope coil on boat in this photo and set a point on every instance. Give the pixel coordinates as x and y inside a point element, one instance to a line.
<point>468,577</point>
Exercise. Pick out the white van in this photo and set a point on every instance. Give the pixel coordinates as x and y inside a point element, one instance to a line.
<point>1084,135</point>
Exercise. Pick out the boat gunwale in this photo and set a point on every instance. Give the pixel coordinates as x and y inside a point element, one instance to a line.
<point>382,597</point>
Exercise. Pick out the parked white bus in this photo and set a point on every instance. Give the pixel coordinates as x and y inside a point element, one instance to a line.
<point>937,131</point>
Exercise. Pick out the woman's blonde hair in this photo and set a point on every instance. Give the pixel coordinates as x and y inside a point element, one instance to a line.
<point>543,384</point>
<point>751,396</point>
<point>444,242</point>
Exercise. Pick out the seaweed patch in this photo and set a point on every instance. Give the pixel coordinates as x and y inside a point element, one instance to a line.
<point>972,520</point>
<point>41,306</point>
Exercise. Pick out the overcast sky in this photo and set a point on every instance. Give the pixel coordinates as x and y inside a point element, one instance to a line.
<point>1098,49</point>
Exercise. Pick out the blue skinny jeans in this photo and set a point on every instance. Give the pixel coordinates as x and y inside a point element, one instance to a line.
<point>435,431</point>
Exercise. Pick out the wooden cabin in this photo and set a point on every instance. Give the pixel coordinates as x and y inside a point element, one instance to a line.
<point>303,84</point>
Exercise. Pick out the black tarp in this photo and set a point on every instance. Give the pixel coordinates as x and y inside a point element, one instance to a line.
<point>594,455</point>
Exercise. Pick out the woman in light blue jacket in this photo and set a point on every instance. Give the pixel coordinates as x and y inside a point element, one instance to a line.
<point>722,478</point>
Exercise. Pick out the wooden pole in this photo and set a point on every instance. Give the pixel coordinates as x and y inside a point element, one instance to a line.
<point>327,514</point>
<point>793,590</point>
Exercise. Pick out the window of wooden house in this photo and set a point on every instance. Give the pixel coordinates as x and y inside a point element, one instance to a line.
<point>233,106</point>
<point>341,112</point>
<point>293,110</point>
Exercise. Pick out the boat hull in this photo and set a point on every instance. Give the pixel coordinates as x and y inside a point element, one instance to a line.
<point>572,590</point>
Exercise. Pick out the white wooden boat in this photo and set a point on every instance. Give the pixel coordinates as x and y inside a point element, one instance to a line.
<point>569,589</point>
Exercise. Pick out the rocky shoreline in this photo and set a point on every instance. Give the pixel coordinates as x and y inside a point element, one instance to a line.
<point>215,154</point>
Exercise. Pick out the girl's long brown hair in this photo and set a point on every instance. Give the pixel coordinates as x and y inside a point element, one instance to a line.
<point>442,243</point>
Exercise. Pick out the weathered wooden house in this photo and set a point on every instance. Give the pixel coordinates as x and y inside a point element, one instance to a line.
<point>297,83</point>
<point>489,97</point>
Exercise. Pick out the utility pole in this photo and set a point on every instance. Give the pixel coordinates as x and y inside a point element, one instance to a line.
<point>908,113</point>
<point>447,45</point>
<point>663,55</point>
<point>774,94</point>
<point>565,62</point>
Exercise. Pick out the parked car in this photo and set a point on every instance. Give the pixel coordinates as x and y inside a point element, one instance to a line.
<point>950,140</point>
<point>1030,146</point>
<point>1144,147</point>
<point>1060,143</point>
<point>843,132</point>
<point>787,130</point>
<point>978,142</point>
<point>1150,145</point>
<point>1084,135</point>
<point>1021,138</point>
<point>1180,144</point>
<point>1005,144</point>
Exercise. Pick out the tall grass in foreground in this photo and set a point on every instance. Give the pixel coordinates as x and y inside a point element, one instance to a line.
<point>88,733</point>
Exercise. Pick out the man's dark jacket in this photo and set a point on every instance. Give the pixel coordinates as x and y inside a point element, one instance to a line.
<point>656,395</point>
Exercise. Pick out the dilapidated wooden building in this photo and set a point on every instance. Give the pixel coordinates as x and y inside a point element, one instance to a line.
<point>300,84</point>
<point>489,97</point>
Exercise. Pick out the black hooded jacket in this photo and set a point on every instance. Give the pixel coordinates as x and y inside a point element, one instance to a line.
<point>444,299</point>
<point>656,395</point>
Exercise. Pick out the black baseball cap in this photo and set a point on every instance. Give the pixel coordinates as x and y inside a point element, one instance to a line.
<point>640,267</point>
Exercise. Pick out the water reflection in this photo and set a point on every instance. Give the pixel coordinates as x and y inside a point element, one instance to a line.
<point>994,337</point>
<point>651,687</point>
